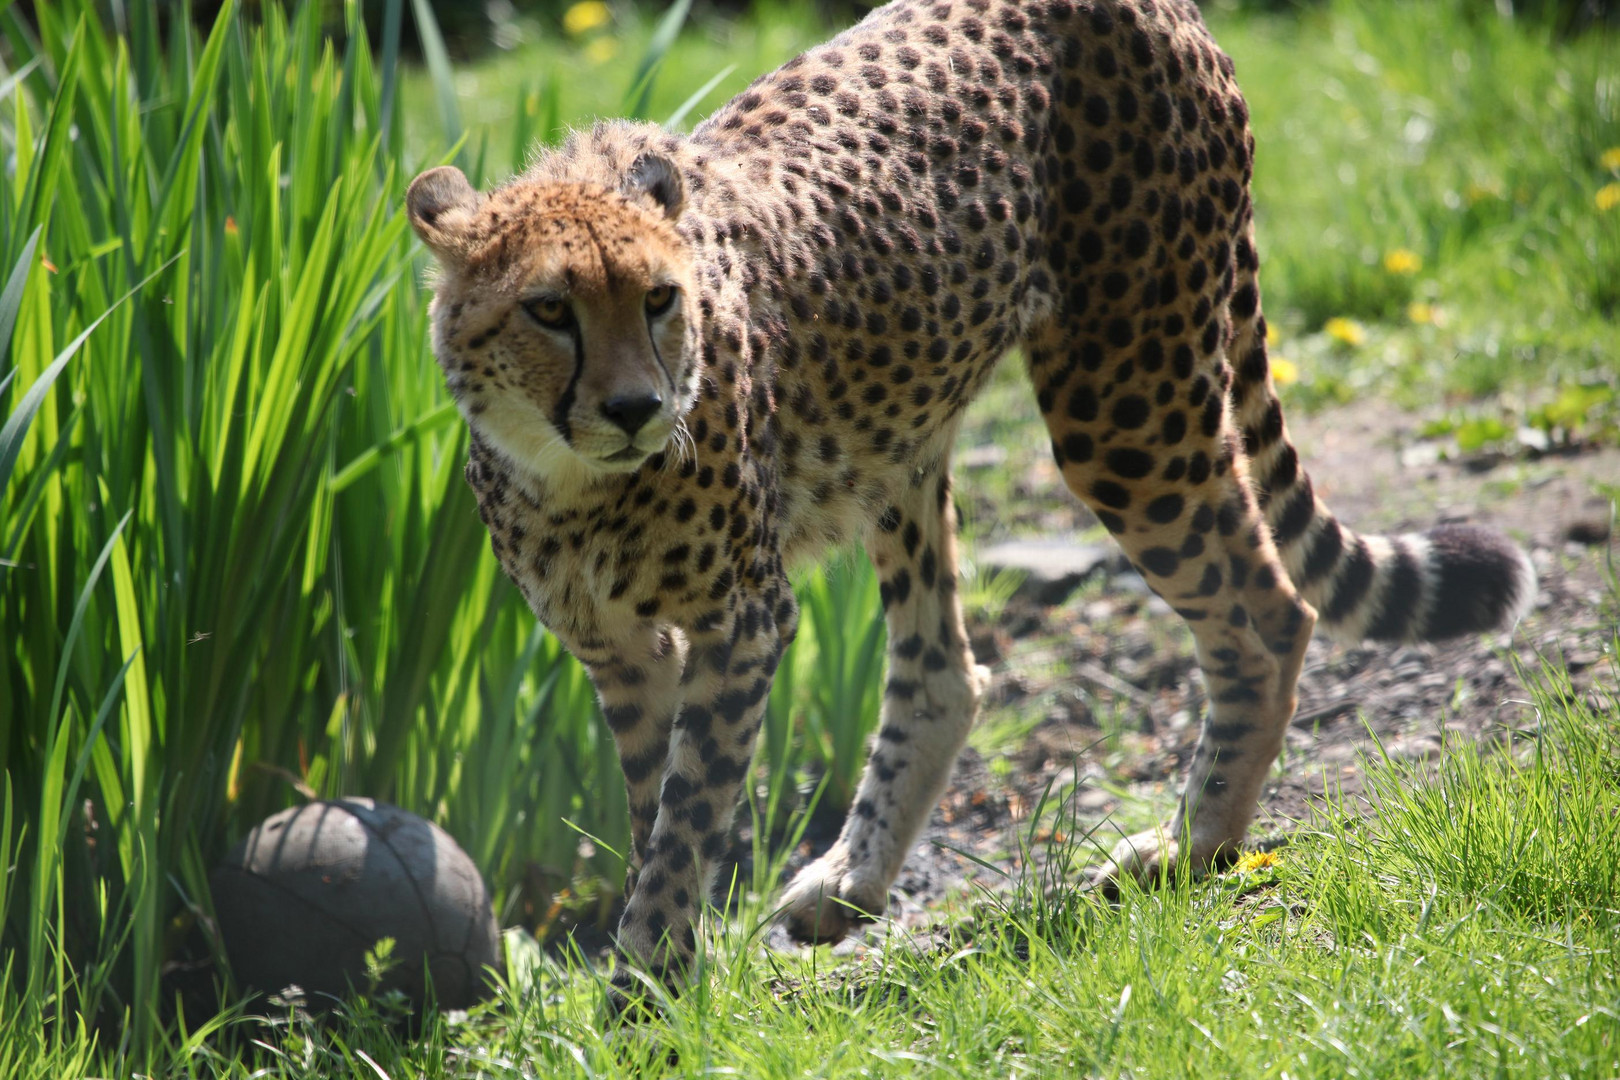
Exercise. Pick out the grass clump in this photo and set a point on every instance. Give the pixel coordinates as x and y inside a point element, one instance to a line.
<point>1532,830</point>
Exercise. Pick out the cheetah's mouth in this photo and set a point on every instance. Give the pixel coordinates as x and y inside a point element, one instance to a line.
<point>626,460</point>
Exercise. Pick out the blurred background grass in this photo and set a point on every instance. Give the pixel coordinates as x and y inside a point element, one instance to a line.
<point>239,563</point>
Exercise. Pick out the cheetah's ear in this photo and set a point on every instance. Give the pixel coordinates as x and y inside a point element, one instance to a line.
<point>441,205</point>
<point>654,176</point>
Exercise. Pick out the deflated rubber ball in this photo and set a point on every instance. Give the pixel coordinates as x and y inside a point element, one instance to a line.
<point>311,890</point>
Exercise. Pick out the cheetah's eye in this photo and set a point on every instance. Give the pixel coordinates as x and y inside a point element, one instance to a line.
<point>550,312</point>
<point>659,297</point>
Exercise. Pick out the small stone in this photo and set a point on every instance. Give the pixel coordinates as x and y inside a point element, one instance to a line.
<point>1414,747</point>
<point>986,645</point>
<point>1093,799</point>
<point>1422,455</point>
<point>1534,440</point>
<point>1577,662</point>
<point>1590,531</point>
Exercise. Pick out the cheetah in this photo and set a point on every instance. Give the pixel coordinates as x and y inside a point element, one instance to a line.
<point>689,363</point>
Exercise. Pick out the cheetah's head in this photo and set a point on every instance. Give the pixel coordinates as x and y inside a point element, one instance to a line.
<point>560,316</point>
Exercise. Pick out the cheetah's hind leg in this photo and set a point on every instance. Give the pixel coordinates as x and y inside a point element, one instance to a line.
<point>1171,489</point>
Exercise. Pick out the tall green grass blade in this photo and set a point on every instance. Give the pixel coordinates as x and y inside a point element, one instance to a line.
<point>16,425</point>
<point>686,107</point>
<point>77,621</point>
<point>8,837</point>
<point>92,735</point>
<point>58,799</point>
<point>428,422</point>
<point>393,20</point>
<point>438,62</point>
<point>639,97</point>
<point>141,738</point>
<point>41,480</point>
<point>40,190</point>
<point>178,186</point>
<point>15,79</point>
<point>537,119</point>
<point>11,297</point>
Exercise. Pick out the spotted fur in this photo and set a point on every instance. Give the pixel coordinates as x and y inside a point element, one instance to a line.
<point>852,243</point>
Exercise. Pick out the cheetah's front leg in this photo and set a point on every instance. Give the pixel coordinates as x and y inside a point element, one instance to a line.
<point>727,679</point>
<point>640,689</point>
<point>928,708</point>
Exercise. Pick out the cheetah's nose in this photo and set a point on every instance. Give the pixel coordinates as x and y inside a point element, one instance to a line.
<point>631,411</point>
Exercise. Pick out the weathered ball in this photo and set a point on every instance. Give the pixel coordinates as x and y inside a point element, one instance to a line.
<point>311,890</point>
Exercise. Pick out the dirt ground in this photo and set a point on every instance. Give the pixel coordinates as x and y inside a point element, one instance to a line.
<point>1110,675</point>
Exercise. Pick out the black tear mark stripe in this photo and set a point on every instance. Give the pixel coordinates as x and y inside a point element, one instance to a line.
<point>673,391</point>
<point>565,402</point>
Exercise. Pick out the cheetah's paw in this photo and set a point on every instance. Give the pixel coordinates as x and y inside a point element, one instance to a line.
<point>1146,857</point>
<point>1151,858</point>
<point>830,897</point>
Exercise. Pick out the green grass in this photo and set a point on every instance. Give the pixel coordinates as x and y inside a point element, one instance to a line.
<point>237,561</point>
<point>1469,929</point>
<point>1472,143</point>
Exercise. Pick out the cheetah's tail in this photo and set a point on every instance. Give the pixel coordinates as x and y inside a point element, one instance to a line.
<point>1446,582</point>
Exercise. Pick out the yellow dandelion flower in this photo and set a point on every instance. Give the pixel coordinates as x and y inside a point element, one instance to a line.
<point>1345,331</point>
<point>1403,261</point>
<point>1256,860</point>
<point>1610,158</point>
<point>1419,312</point>
<point>601,50</point>
<point>585,16</point>
<point>1283,370</point>
<point>1607,197</point>
<point>1272,337</point>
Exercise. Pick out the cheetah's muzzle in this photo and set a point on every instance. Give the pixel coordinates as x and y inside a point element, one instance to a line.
<point>814,284</point>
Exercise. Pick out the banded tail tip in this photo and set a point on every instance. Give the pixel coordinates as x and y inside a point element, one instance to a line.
<point>1479,580</point>
<point>1444,583</point>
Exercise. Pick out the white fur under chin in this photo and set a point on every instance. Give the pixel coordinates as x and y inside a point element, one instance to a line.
<point>533,444</point>
<point>528,440</point>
